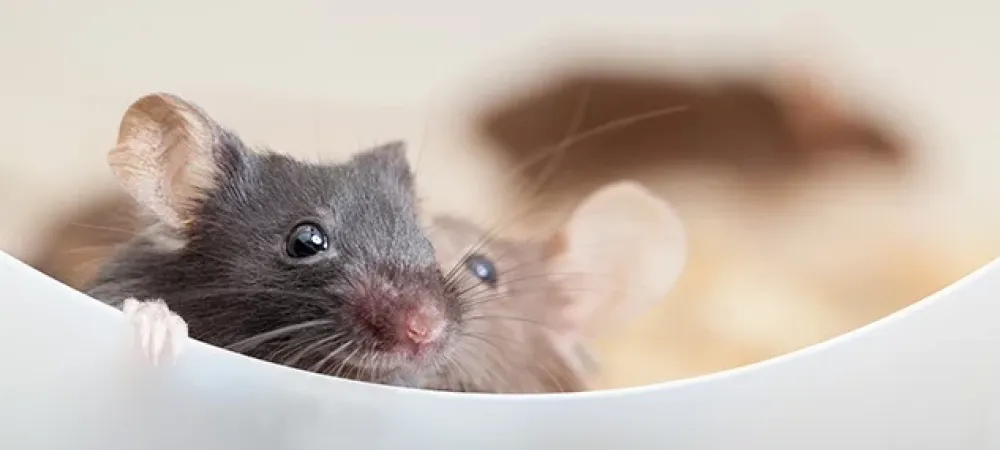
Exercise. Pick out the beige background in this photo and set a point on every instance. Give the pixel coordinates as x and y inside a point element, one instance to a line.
<point>326,78</point>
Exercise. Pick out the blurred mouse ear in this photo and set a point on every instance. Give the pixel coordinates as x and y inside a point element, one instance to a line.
<point>622,250</point>
<point>165,156</point>
<point>819,121</point>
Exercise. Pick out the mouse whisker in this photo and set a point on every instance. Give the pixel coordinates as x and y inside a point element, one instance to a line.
<point>321,363</point>
<point>472,301</point>
<point>470,304</point>
<point>510,318</point>
<point>362,367</point>
<point>486,296</point>
<point>609,291</point>
<point>549,275</point>
<point>280,351</point>
<point>465,364</point>
<point>125,231</point>
<point>555,380</point>
<point>481,287</point>
<point>371,363</point>
<point>557,155</point>
<point>540,363</point>
<point>451,363</point>
<point>215,292</point>
<point>384,367</point>
<point>478,293</point>
<point>554,154</point>
<point>90,248</point>
<point>494,232</point>
<point>251,342</point>
<point>557,149</point>
<point>311,347</point>
<point>343,364</point>
<point>572,138</point>
<point>493,374</point>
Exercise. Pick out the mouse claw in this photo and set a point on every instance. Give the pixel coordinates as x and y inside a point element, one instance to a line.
<point>159,331</point>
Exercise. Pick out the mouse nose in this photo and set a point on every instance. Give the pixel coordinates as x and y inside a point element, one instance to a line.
<point>422,327</point>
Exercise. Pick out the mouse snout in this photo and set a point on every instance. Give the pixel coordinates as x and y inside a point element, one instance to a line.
<point>420,328</point>
<point>409,323</point>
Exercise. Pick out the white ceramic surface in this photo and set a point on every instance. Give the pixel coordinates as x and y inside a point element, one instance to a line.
<point>924,378</point>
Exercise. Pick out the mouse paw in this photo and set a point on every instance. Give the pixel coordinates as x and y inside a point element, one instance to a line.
<point>159,331</point>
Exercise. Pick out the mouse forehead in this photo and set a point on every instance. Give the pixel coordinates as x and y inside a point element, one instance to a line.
<point>347,187</point>
<point>455,238</point>
<point>369,205</point>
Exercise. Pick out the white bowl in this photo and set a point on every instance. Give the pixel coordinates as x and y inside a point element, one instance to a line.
<point>923,378</point>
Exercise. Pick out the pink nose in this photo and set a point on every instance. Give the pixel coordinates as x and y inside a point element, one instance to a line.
<point>421,329</point>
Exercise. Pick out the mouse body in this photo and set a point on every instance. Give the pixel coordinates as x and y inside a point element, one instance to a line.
<point>327,268</point>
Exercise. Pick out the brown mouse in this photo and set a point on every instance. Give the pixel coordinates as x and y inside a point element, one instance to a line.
<point>327,267</point>
<point>619,252</point>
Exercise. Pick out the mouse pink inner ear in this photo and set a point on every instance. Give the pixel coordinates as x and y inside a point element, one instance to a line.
<point>164,156</point>
<point>620,252</point>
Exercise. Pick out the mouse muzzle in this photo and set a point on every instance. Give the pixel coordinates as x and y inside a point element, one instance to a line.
<point>406,320</point>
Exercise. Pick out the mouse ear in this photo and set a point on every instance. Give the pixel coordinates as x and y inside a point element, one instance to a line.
<point>622,250</point>
<point>391,154</point>
<point>387,158</point>
<point>165,156</point>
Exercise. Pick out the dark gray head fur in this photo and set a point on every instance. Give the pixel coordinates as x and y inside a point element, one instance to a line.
<point>226,273</point>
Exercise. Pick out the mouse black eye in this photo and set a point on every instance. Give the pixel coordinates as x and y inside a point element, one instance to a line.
<point>482,268</point>
<point>305,240</point>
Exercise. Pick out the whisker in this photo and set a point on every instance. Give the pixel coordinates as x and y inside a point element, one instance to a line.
<point>321,363</point>
<point>488,236</point>
<point>557,156</point>
<point>124,231</point>
<point>539,364</point>
<point>513,282</point>
<point>454,363</point>
<point>564,144</point>
<point>274,334</point>
<point>499,352</point>
<point>343,364</point>
<point>215,292</point>
<point>511,318</point>
<point>293,342</point>
<point>423,146</point>
<point>609,126</point>
<point>481,300</point>
<point>312,347</point>
<point>364,366</point>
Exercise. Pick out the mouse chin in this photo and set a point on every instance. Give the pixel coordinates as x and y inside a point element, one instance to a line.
<point>398,367</point>
<point>415,346</point>
<point>413,358</point>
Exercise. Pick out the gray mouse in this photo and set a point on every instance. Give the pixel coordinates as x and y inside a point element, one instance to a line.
<point>327,267</point>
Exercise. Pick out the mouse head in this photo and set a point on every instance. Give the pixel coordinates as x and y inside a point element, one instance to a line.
<point>318,266</point>
<point>530,307</point>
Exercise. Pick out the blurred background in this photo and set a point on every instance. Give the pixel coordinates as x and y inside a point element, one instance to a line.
<point>834,161</point>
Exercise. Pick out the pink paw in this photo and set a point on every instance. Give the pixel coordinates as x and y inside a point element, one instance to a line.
<point>159,331</point>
